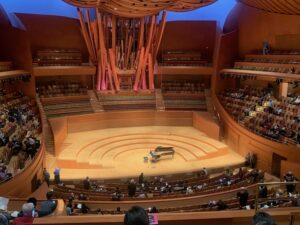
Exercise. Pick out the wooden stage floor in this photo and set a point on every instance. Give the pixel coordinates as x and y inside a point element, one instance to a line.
<point>120,152</point>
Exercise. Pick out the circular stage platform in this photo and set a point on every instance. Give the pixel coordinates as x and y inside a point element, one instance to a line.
<point>119,152</point>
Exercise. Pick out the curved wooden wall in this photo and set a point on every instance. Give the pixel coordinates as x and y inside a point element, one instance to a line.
<point>21,184</point>
<point>64,125</point>
<point>243,141</point>
<point>256,26</point>
<point>235,217</point>
<point>288,7</point>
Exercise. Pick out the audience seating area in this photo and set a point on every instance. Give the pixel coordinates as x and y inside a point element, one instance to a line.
<point>277,65</point>
<point>57,90</point>
<point>58,57</point>
<point>8,74</point>
<point>20,130</point>
<point>182,58</point>
<point>161,188</point>
<point>259,111</point>
<point>5,66</point>
<point>184,95</point>
<point>127,100</point>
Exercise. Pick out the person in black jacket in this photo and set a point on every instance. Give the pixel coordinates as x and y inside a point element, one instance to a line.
<point>131,188</point>
<point>243,196</point>
<point>289,177</point>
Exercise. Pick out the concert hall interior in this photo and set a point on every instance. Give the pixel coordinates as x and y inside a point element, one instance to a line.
<point>189,109</point>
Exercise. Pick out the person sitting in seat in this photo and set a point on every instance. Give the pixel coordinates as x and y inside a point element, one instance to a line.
<point>48,206</point>
<point>28,215</point>
<point>136,216</point>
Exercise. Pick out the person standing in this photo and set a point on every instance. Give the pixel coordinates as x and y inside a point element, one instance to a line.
<point>289,177</point>
<point>141,178</point>
<point>243,197</point>
<point>46,176</point>
<point>131,188</point>
<point>87,183</point>
<point>57,175</point>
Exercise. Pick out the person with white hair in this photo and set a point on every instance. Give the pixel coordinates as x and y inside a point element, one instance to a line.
<point>28,215</point>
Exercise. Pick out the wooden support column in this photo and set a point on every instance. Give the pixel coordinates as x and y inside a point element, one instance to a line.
<point>283,89</point>
<point>113,32</point>
<point>139,70</point>
<point>112,60</point>
<point>150,71</point>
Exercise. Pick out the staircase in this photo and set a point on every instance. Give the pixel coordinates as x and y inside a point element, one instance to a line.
<point>47,132</point>
<point>212,112</point>
<point>95,103</point>
<point>160,104</point>
<point>209,105</point>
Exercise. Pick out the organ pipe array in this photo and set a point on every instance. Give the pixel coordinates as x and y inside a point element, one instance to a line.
<point>122,46</point>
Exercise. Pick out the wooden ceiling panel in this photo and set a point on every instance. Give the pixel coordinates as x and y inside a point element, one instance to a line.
<point>140,8</point>
<point>288,7</point>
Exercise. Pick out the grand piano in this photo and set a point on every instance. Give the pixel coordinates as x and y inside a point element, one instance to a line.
<point>161,153</point>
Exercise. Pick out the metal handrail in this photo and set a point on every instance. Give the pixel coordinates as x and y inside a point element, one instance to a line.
<point>266,184</point>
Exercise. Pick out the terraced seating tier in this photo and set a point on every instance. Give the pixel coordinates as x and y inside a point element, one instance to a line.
<point>63,106</point>
<point>275,119</point>
<point>127,101</point>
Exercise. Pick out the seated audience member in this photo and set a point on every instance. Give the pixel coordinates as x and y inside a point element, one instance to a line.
<point>243,197</point>
<point>221,205</point>
<point>153,210</point>
<point>289,177</point>
<point>263,191</point>
<point>262,218</point>
<point>33,201</point>
<point>3,219</point>
<point>136,216</point>
<point>69,208</point>
<point>84,209</point>
<point>48,206</point>
<point>117,195</point>
<point>27,218</point>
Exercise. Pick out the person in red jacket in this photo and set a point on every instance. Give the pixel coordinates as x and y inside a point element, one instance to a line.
<point>28,215</point>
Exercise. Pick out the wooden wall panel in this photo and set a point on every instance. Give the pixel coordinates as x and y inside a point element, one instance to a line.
<point>236,217</point>
<point>46,31</point>
<point>256,26</point>
<point>225,55</point>
<point>190,35</point>
<point>204,122</point>
<point>59,128</point>
<point>128,119</point>
<point>290,166</point>
<point>15,47</point>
